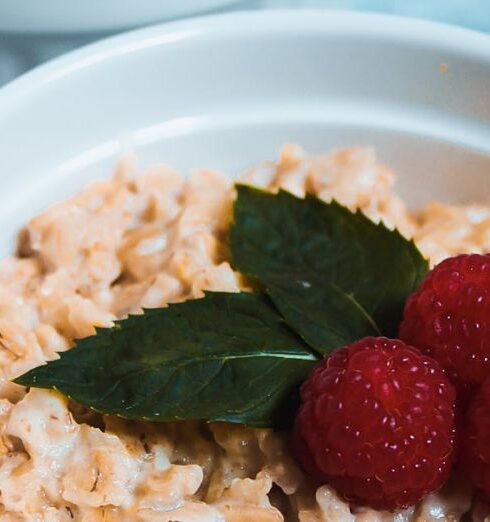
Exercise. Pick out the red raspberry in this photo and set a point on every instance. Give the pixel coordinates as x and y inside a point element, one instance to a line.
<point>377,423</point>
<point>475,444</point>
<point>448,318</point>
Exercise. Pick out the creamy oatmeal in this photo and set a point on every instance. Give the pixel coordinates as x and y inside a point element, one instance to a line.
<point>144,240</point>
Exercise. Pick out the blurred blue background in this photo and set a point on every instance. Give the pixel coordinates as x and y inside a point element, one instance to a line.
<point>20,52</point>
<point>474,14</point>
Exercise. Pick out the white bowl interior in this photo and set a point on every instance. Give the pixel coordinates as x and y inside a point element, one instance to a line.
<point>227,91</point>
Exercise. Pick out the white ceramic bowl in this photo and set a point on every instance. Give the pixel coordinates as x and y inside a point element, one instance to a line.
<point>33,31</point>
<point>227,91</point>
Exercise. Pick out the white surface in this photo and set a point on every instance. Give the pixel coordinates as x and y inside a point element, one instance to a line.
<point>79,16</point>
<point>227,91</point>
<point>33,31</point>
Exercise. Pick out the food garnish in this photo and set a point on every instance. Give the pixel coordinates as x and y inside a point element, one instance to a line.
<point>377,422</point>
<point>448,318</point>
<point>335,276</point>
<point>475,454</point>
<point>326,277</point>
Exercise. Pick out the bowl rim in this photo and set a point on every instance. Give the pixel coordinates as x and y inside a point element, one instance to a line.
<point>359,24</point>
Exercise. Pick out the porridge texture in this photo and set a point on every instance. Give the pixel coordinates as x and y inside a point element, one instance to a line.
<point>144,240</point>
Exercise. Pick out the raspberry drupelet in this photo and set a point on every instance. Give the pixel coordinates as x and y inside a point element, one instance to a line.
<point>448,318</point>
<point>376,422</point>
<point>475,447</point>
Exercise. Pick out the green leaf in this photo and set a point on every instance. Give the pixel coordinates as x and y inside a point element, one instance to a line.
<point>226,357</point>
<point>334,275</point>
